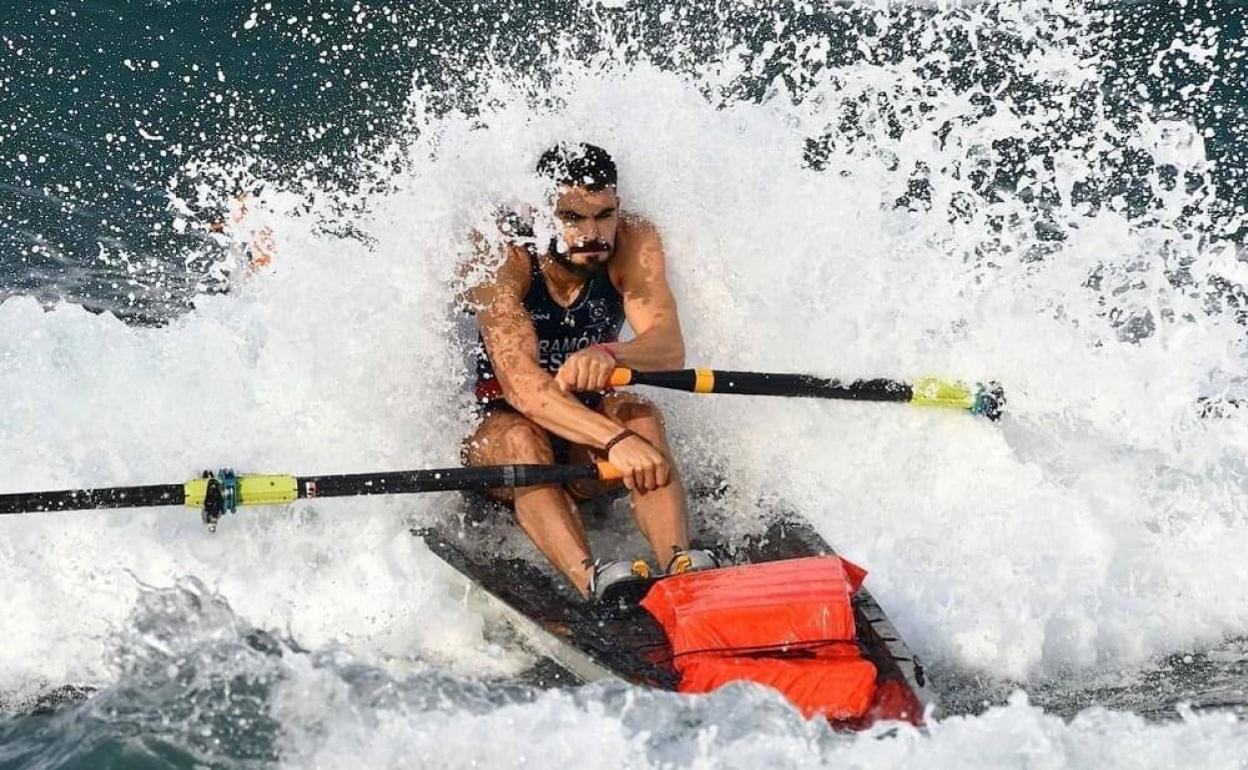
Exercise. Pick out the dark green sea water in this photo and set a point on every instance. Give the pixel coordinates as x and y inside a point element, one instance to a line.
<point>105,105</point>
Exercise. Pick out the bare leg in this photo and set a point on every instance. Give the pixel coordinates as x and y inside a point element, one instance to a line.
<point>662,514</point>
<point>546,513</point>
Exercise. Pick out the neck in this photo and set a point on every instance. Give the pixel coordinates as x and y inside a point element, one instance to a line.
<point>560,278</point>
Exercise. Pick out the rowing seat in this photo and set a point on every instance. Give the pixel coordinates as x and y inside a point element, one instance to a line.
<point>788,625</point>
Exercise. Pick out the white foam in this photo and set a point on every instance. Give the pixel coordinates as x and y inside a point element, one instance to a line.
<point>741,726</point>
<point>294,374</point>
<point>1100,524</point>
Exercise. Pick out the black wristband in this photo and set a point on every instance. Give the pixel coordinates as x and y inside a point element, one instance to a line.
<point>618,438</point>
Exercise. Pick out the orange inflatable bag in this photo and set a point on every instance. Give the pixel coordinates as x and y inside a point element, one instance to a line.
<point>838,687</point>
<point>757,606</point>
<point>787,624</point>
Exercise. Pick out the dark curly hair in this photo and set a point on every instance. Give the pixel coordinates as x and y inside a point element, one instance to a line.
<point>578,165</point>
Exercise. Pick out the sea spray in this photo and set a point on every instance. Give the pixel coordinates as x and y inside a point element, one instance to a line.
<point>970,192</point>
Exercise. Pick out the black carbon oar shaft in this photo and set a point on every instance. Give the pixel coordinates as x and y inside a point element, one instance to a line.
<point>279,489</point>
<point>987,399</point>
<point>89,499</point>
<point>772,384</point>
<point>446,479</point>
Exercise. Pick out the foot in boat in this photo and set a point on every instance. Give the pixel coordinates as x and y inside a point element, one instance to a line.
<point>691,560</point>
<point>618,582</point>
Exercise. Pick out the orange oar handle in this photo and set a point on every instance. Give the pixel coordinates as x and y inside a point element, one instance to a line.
<point>608,472</point>
<point>691,380</point>
<point>621,377</point>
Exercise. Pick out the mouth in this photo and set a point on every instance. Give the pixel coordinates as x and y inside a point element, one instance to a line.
<point>597,251</point>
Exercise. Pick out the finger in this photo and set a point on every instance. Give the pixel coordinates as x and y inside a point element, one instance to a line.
<point>650,481</point>
<point>626,476</point>
<point>664,474</point>
<point>602,377</point>
<point>584,378</point>
<point>643,483</point>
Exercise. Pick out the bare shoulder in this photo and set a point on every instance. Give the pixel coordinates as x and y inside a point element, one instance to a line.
<point>639,249</point>
<point>636,231</point>
<point>489,277</point>
<point>639,265</point>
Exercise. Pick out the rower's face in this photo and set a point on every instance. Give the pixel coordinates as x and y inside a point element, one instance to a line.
<point>588,221</point>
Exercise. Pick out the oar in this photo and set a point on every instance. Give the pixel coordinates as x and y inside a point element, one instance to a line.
<point>987,399</point>
<point>218,493</point>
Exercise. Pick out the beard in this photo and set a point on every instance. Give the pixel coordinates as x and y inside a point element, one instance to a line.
<point>564,259</point>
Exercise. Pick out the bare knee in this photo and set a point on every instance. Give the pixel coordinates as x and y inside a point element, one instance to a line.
<point>636,413</point>
<point>508,438</point>
<point>525,442</point>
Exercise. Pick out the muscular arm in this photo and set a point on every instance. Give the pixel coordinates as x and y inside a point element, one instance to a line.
<point>511,343</point>
<point>648,305</point>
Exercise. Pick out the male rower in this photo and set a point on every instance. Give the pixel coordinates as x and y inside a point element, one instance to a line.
<point>550,318</point>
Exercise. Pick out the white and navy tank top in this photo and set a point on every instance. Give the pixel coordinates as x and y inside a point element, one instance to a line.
<point>595,315</point>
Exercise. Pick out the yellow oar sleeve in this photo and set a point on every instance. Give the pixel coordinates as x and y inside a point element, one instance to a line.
<point>929,391</point>
<point>252,490</point>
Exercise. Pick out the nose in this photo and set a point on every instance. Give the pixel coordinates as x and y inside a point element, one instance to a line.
<point>589,231</point>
